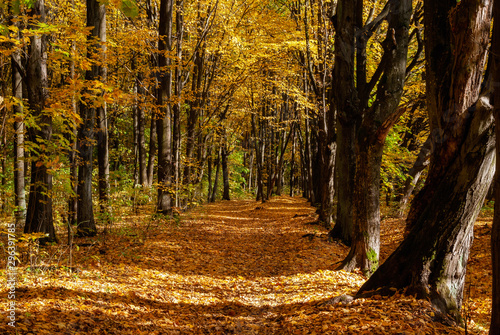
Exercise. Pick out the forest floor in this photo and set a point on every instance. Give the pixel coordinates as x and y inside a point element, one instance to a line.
<point>233,267</point>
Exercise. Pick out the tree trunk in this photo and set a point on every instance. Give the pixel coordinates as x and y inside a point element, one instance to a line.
<point>19,172</point>
<point>102,133</point>
<point>346,100</point>
<point>495,232</point>
<point>414,174</point>
<point>345,167</point>
<point>225,172</point>
<point>88,110</point>
<point>39,213</point>
<point>432,259</point>
<point>164,127</point>
<point>216,179</point>
<point>152,150</point>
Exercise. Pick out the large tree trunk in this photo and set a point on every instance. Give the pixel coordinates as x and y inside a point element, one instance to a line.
<point>152,150</point>
<point>39,214</point>
<point>495,233</point>
<point>432,259</point>
<point>372,131</point>
<point>164,128</point>
<point>346,101</point>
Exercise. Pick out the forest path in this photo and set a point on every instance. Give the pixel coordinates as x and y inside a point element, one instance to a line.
<point>232,267</point>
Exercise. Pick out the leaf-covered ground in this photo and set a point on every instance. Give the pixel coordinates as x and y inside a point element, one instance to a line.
<point>234,267</point>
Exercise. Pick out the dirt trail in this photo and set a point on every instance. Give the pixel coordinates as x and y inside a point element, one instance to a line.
<point>233,267</point>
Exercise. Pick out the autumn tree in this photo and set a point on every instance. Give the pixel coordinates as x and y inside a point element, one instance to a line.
<point>431,261</point>
<point>39,216</point>
<point>367,109</point>
<point>19,128</point>
<point>96,18</point>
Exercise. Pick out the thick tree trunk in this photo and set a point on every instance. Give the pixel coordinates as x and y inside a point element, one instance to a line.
<point>39,213</point>
<point>365,246</point>
<point>164,127</point>
<point>373,129</point>
<point>432,259</point>
<point>414,174</point>
<point>345,165</point>
<point>495,233</point>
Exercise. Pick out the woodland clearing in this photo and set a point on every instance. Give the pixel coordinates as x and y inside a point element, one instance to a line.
<point>231,267</point>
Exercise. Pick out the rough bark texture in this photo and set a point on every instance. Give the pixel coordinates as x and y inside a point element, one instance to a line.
<point>164,126</point>
<point>495,233</point>
<point>39,214</point>
<point>431,261</point>
<point>371,133</point>
<point>346,100</point>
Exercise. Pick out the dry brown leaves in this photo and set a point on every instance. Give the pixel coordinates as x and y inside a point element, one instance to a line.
<point>234,267</point>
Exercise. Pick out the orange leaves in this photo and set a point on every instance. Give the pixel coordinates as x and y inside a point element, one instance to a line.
<point>228,268</point>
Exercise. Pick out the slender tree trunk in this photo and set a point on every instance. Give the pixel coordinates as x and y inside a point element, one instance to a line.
<point>72,154</point>
<point>19,129</point>
<point>152,151</point>
<point>216,179</point>
<point>39,213</point>
<point>225,172</point>
<point>164,127</point>
<point>102,133</point>
<point>414,174</point>
<point>209,175</point>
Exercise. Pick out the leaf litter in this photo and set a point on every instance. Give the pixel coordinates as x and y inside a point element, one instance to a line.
<point>233,267</point>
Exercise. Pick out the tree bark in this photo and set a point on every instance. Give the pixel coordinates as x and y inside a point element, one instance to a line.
<point>431,261</point>
<point>88,113</point>
<point>225,171</point>
<point>19,128</point>
<point>39,213</point>
<point>495,232</point>
<point>102,133</point>
<point>164,126</point>
<point>346,100</point>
